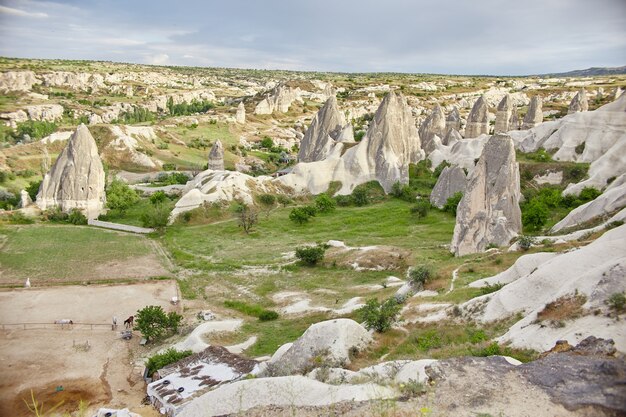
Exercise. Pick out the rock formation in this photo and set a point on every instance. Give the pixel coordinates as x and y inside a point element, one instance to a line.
<point>505,115</point>
<point>17,81</point>
<point>216,157</point>
<point>25,199</point>
<point>435,124</point>
<point>76,179</point>
<point>453,121</point>
<point>579,102</point>
<point>321,135</point>
<point>534,115</point>
<point>279,100</point>
<point>489,211</point>
<point>451,180</point>
<point>240,117</point>
<point>478,119</point>
<point>452,137</point>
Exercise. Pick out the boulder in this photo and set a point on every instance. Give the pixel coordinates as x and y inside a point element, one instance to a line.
<point>451,180</point>
<point>504,115</point>
<point>489,211</point>
<point>216,157</point>
<point>579,102</point>
<point>240,117</point>
<point>25,199</point>
<point>76,179</point>
<point>325,129</point>
<point>331,341</point>
<point>478,119</point>
<point>435,124</point>
<point>534,115</point>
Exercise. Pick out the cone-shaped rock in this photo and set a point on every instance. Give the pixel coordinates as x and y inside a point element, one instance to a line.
<point>504,115</point>
<point>435,124</point>
<point>579,102</point>
<point>240,117</point>
<point>489,211</point>
<point>453,121</point>
<point>534,115</point>
<point>392,141</point>
<point>321,135</point>
<point>452,137</point>
<point>451,180</point>
<point>478,119</point>
<point>76,179</point>
<point>216,157</point>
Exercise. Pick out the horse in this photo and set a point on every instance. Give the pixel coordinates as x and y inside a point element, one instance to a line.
<point>128,323</point>
<point>63,322</point>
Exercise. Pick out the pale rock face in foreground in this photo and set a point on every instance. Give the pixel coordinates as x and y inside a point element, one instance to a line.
<point>579,102</point>
<point>435,124</point>
<point>505,115</point>
<point>76,179</point>
<point>489,211</point>
<point>534,115</point>
<point>478,119</point>
<point>451,180</point>
<point>325,129</point>
<point>216,157</point>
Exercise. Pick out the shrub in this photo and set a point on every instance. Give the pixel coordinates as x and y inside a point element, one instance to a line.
<point>535,214</point>
<point>360,196</point>
<point>158,198</point>
<point>588,194</point>
<point>33,189</point>
<point>489,288</point>
<point>120,196</point>
<point>402,191</point>
<point>283,200</point>
<point>154,323</point>
<point>268,315</point>
<point>35,129</point>
<point>440,168</point>
<point>617,302</point>
<point>247,217</point>
<point>161,360</point>
<point>525,242</point>
<point>421,208</point>
<point>267,142</point>
<point>452,203</point>
<point>19,218</point>
<point>253,310</point>
<point>420,275</point>
<point>324,204</point>
<point>430,339</point>
<point>343,200</point>
<point>299,215</point>
<point>267,201</point>
<point>379,316</point>
<point>76,217</point>
<point>579,149</point>
<point>54,214</point>
<point>155,216</point>
<point>311,255</point>
<point>311,211</point>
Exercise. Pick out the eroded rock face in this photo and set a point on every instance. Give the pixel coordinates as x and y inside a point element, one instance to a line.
<point>17,81</point>
<point>76,179</point>
<point>534,115</point>
<point>478,119</point>
<point>504,115</point>
<point>279,100</point>
<point>325,129</point>
<point>435,124</point>
<point>240,117</point>
<point>216,157</point>
<point>451,180</point>
<point>489,211</point>
<point>579,102</point>
<point>453,121</point>
<point>452,137</point>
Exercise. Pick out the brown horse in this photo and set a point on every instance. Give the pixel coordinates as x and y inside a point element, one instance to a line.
<point>128,323</point>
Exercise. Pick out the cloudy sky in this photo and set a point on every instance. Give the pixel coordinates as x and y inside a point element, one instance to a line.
<point>434,36</point>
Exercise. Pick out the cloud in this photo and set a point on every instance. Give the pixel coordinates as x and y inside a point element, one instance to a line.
<point>158,59</point>
<point>21,13</point>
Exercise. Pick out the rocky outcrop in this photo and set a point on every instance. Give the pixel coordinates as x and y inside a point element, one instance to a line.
<point>434,125</point>
<point>453,121</point>
<point>534,115</point>
<point>325,129</point>
<point>579,102</point>
<point>17,81</point>
<point>25,199</point>
<point>331,340</point>
<point>451,180</point>
<point>216,157</point>
<point>76,179</point>
<point>504,116</point>
<point>76,81</point>
<point>240,117</point>
<point>45,112</point>
<point>489,211</point>
<point>478,119</point>
<point>279,100</point>
<point>452,137</point>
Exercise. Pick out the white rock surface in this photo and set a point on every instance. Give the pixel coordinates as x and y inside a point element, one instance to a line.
<point>451,180</point>
<point>478,119</point>
<point>553,178</point>
<point>322,134</point>
<point>579,102</point>
<point>505,115</point>
<point>524,265</point>
<point>240,117</point>
<point>463,152</point>
<point>534,115</point>
<point>435,124</point>
<point>17,81</point>
<point>216,157</point>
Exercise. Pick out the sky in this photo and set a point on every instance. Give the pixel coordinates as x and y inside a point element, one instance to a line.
<point>497,37</point>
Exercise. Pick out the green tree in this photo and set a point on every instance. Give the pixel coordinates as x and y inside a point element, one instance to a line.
<point>120,196</point>
<point>421,208</point>
<point>33,189</point>
<point>267,142</point>
<point>452,203</point>
<point>311,255</point>
<point>156,216</point>
<point>247,217</point>
<point>325,204</point>
<point>360,196</point>
<point>534,215</point>
<point>420,275</point>
<point>380,316</point>
<point>158,198</point>
<point>268,202</point>
<point>154,323</point>
<point>299,215</point>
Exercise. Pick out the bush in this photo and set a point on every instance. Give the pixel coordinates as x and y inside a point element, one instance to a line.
<point>588,194</point>
<point>33,189</point>
<point>268,315</point>
<point>35,129</point>
<point>420,275</point>
<point>19,218</point>
<point>402,191</point>
<point>579,149</point>
<point>360,196</point>
<point>452,203</point>
<point>617,302</point>
<point>440,168</point>
<point>268,201</point>
<point>155,216</point>
<point>161,360</point>
<point>299,215</point>
<point>76,217</point>
<point>267,142</point>
<point>54,214</point>
<point>525,242</point>
<point>154,323</point>
<point>535,214</point>
<point>283,200</point>
<point>311,255</point>
<point>489,288</point>
<point>158,198</point>
<point>120,196</point>
<point>172,178</point>
<point>421,208</point>
<point>253,310</point>
<point>247,217</point>
<point>325,204</point>
<point>379,316</point>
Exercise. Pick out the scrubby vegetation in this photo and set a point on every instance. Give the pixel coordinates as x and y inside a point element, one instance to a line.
<point>161,360</point>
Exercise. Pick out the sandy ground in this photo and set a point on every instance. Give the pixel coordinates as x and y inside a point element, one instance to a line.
<point>40,359</point>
